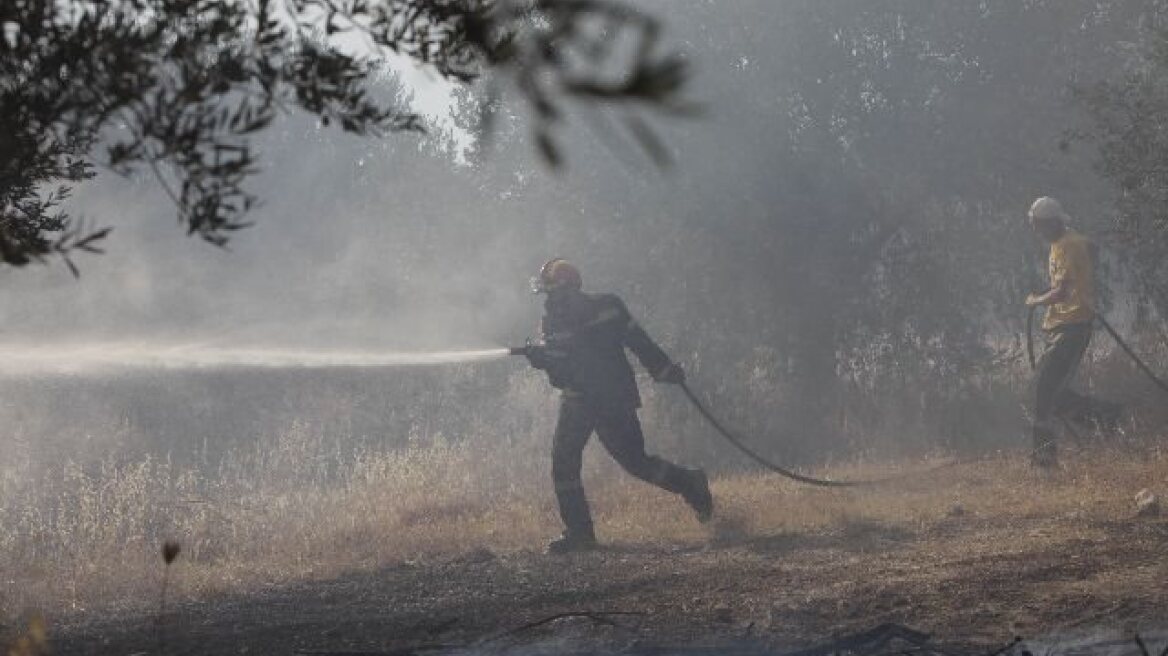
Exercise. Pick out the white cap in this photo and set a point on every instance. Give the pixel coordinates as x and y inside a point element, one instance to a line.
<point>1048,208</point>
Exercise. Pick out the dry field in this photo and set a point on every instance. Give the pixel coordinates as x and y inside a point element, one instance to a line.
<point>284,549</point>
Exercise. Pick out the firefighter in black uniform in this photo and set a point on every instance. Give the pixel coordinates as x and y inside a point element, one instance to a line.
<point>583,338</point>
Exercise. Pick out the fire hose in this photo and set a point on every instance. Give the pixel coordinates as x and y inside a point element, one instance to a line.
<point>770,465</point>
<point>1131,354</point>
<point>1114,335</point>
<point>739,444</point>
<point>753,455</point>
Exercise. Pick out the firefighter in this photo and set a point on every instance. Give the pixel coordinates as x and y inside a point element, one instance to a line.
<point>582,349</point>
<point>1068,324</point>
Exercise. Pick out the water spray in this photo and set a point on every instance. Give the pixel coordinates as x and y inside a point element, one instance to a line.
<point>123,356</point>
<point>20,359</point>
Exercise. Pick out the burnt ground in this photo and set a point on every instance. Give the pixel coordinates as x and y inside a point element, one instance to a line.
<point>964,579</point>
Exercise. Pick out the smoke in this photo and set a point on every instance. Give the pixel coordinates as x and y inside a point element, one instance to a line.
<point>816,259</point>
<point>37,360</point>
<point>842,230</point>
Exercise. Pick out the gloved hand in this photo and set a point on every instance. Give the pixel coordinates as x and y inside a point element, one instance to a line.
<point>672,374</point>
<point>536,355</point>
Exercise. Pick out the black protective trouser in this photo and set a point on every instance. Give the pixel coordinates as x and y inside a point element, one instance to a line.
<point>619,431</point>
<point>1060,361</point>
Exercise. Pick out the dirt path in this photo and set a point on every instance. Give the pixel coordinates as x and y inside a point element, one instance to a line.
<point>963,578</point>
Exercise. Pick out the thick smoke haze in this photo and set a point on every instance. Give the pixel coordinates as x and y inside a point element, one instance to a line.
<point>393,243</point>
<point>840,247</point>
<point>340,252</point>
<point>837,255</point>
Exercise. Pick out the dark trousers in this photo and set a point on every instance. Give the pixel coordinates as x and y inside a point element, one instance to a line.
<point>1060,361</point>
<point>619,431</point>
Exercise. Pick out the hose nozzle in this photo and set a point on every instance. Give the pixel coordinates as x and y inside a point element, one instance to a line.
<point>517,350</point>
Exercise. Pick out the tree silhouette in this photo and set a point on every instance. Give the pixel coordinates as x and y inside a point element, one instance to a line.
<point>1129,115</point>
<point>180,87</point>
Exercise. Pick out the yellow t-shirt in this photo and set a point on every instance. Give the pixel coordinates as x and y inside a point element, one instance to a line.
<point>1070,260</point>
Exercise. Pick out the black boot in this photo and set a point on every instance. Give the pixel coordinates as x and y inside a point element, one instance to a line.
<point>578,534</point>
<point>697,495</point>
<point>573,542</point>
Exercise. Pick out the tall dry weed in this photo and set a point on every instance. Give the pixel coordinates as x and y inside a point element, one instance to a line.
<point>298,504</point>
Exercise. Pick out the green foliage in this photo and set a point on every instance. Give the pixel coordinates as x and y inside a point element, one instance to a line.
<point>1130,130</point>
<point>181,87</point>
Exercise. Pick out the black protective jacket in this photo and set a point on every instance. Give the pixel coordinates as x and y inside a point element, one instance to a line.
<point>585,336</point>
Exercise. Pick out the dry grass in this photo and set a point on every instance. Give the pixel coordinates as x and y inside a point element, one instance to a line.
<point>1096,485</point>
<point>87,540</point>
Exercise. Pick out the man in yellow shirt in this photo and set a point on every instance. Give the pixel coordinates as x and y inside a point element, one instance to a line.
<point>1070,316</point>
